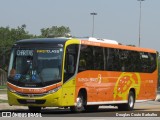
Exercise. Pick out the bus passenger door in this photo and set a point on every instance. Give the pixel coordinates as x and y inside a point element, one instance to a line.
<point>68,95</point>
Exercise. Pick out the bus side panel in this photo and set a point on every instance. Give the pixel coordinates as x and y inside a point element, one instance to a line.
<point>148,87</point>
<point>100,85</point>
<point>68,93</point>
<point>115,86</point>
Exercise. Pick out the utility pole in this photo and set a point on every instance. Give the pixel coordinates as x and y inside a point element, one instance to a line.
<point>93,14</point>
<point>140,22</point>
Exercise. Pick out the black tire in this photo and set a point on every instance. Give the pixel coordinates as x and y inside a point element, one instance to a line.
<point>130,104</point>
<point>34,109</point>
<point>80,104</point>
<point>91,108</point>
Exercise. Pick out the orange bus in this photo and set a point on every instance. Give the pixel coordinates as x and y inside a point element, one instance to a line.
<point>81,74</point>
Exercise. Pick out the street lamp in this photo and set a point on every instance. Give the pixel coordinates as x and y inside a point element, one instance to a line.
<point>140,22</point>
<point>93,13</point>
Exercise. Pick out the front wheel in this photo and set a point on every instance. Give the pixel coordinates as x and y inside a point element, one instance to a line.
<point>80,102</point>
<point>130,104</point>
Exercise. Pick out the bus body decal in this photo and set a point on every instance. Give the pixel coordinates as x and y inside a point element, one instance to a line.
<point>124,83</point>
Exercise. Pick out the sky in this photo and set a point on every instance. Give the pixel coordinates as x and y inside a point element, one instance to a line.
<point>116,19</point>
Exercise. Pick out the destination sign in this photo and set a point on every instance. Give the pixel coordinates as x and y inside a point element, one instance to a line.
<point>24,53</point>
<point>49,51</point>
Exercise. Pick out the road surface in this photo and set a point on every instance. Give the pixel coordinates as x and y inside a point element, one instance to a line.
<point>151,107</point>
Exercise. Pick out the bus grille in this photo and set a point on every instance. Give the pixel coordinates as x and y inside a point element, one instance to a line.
<point>30,95</point>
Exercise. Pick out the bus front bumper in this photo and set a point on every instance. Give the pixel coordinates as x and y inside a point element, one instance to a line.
<point>48,100</point>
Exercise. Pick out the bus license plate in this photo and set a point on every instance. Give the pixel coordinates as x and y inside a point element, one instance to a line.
<point>31,101</point>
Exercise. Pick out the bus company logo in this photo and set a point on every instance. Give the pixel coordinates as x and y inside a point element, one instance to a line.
<point>37,90</point>
<point>98,79</point>
<point>124,83</point>
<point>90,43</point>
<point>20,115</point>
<point>47,51</point>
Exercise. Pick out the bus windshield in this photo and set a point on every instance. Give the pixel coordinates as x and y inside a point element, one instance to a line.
<point>35,67</point>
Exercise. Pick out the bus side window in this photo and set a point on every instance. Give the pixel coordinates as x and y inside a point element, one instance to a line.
<point>112,59</point>
<point>82,65</point>
<point>86,58</point>
<point>98,58</point>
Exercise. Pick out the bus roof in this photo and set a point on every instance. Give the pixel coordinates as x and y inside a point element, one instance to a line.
<point>43,40</point>
<point>87,41</point>
<point>113,44</point>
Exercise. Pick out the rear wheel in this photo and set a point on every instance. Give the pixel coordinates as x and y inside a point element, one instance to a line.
<point>80,104</point>
<point>130,104</point>
<point>34,109</point>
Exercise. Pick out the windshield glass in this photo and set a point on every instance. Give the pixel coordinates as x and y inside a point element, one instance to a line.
<point>35,67</point>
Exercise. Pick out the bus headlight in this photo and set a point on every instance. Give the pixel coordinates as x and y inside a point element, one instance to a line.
<point>54,90</point>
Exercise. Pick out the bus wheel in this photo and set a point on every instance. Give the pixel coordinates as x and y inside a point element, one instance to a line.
<point>91,108</point>
<point>80,104</point>
<point>34,109</point>
<point>130,104</point>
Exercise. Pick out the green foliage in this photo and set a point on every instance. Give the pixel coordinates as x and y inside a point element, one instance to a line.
<point>3,87</point>
<point>8,36</point>
<point>55,31</point>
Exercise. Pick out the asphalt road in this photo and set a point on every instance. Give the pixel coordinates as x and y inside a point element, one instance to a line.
<point>145,109</point>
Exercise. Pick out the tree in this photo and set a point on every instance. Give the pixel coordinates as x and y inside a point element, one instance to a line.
<point>55,31</point>
<point>8,36</point>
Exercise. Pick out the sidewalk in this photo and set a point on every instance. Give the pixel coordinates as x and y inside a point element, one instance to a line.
<point>3,97</point>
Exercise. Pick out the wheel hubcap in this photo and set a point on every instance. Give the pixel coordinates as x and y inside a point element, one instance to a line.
<point>79,102</point>
<point>131,101</point>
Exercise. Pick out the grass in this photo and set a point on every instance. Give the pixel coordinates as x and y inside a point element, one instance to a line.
<point>3,87</point>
